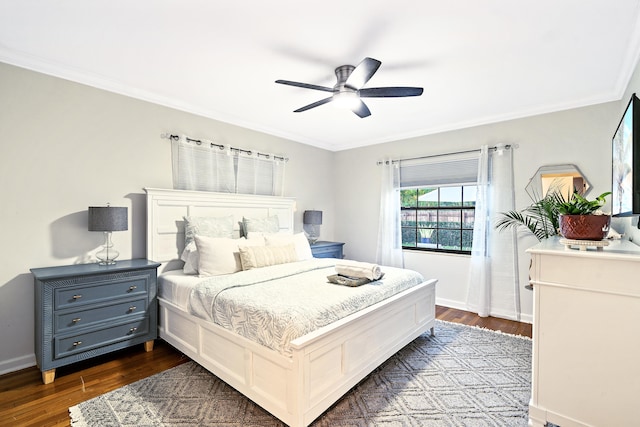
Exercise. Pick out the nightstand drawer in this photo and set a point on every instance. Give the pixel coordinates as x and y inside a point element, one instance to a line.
<point>99,290</point>
<point>82,318</point>
<point>68,345</point>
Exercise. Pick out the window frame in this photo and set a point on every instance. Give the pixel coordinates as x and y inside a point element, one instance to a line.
<point>459,208</point>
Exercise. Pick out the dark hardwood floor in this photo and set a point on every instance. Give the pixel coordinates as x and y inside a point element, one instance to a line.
<point>493,323</point>
<point>25,401</point>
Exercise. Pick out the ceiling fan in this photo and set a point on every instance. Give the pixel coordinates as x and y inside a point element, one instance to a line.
<point>349,88</point>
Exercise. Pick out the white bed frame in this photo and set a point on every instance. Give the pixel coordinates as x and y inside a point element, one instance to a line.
<point>325,363</point>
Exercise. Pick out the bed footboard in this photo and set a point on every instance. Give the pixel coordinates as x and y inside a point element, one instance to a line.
<point>325,363</point>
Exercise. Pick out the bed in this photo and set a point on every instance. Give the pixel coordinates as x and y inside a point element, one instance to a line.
<point>317,368</point>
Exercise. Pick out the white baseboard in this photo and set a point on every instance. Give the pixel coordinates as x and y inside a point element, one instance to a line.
<point>17,363</point>
<point>524,318</point>
<point>451,303</point>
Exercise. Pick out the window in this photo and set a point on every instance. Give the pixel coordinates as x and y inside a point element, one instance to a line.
<point>438,218</point>
<point>438,201</point>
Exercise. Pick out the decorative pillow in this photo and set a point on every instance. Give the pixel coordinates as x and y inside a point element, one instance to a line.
<point>264,256</point>
<point>220,255</point>
<point>299,240</point>
<point>207,226</point>
<point>269,224</point>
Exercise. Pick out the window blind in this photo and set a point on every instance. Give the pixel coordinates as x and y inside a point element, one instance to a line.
<point>439,170</point>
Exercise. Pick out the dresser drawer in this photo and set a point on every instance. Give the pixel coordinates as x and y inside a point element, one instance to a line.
<point>77,319</point>
<point>327,250</point>
<point>78,343</point>
<point>98,289</point>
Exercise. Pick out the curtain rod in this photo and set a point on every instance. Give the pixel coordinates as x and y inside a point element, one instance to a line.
<point>172,137</point>
<point>495,147</point>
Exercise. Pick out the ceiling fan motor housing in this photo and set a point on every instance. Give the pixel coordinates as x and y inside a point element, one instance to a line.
<point>342,74</point>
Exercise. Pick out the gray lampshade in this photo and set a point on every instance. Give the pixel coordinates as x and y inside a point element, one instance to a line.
<point>107,218</point>
<point>312,217</point>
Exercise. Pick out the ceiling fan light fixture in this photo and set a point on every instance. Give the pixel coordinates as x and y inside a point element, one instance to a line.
<point>348,90</point>
<point>347,100</point>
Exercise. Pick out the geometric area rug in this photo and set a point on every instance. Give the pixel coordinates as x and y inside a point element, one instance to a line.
<point>462,376</point>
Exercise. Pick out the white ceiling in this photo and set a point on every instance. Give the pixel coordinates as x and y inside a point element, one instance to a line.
<point>479,61</point>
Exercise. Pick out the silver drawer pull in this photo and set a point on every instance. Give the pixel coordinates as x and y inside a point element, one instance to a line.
<point>76,320</point>
<point>77,343</point>
<point>133,330</point>
<point>132,288</point>
<point>77,296</point>
<point>132,308</point>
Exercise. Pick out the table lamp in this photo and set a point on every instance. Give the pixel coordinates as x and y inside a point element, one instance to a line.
<point>312,221</point>
<point>107,219</point>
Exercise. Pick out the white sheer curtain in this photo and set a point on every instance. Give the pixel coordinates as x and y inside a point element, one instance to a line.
<point>258,174</point>
<point>389,249</point>
<point>493,287</point>
<point>203,165</point>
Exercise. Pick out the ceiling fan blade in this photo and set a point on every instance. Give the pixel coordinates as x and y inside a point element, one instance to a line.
<point>362,73</point>
<point>305,85</point>
<point>362,110</point>
<point>390,92</point>
<point>314,105</point>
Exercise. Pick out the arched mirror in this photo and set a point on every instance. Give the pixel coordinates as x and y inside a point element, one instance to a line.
<point>565,179</point>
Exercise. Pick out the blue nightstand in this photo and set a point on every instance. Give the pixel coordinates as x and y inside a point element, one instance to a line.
<point>321,249</point>
<point>87,310</point>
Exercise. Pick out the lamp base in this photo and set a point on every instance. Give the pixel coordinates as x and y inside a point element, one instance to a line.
<point>107,262</point>
<point>108,255</point>
<point>312,231</point>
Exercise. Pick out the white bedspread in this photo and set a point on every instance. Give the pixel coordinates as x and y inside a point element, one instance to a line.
<point>275,305</point>
<point>175,286</point>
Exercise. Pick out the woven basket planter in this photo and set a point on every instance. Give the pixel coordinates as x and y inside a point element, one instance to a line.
<point>584,227</point>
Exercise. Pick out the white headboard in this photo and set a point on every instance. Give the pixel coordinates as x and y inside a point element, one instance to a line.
<point>166,209</point>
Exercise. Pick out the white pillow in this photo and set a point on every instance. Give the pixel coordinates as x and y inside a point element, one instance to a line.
<point>264,256</point>
<point>255,235</point>
<point>203,226</point>
<point>220,255</point>
<point>299,240</point>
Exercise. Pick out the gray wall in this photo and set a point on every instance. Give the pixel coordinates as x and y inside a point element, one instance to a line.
<point>66,147</point>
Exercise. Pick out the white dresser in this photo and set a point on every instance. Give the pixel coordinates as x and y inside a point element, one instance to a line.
<point>586,335</point>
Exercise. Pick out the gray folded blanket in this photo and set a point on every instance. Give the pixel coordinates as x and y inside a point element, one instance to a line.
<point>347,281</point>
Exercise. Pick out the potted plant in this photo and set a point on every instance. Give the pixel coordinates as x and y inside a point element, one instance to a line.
<point>581,219</point>
<point>540,218</point>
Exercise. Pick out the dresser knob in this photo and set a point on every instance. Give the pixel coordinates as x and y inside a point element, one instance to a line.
<point>132,288</point>
<point>132,308</point>
<point>133,330</point>
<point>76,320</point>
<point>77,296</point>
<point>77,343</point>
